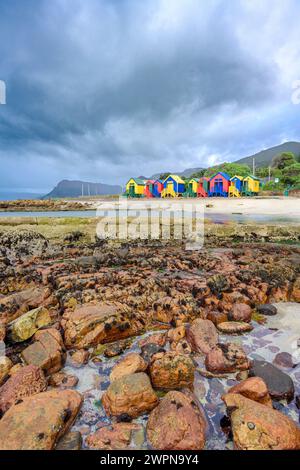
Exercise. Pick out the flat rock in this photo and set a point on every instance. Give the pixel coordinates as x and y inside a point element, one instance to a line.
<point>280,385</point>
<point>202,336</point>
<point>29,380</point>
<point>114,437</point>
<point>234,327</point>
<point>255,389</point>
<point>132,395</point>
<point>14,305</point>
<point>158,338</point>
<point>63,381</point>
<point>46,352</point>
<point>177,423</point>
<point>259,427</point>
<point>170,371</point>
<point>129,364</point>
<point>39,421</point>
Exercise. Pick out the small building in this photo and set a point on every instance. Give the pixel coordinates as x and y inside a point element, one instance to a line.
<point>149,187</point>
<point>174,186</point>
<point>219,185</point>
<point>236,187</point>
<point>251,185</point>
<point>135,187</point>
<point>158,187</point>
<point>192,187</point>
<point>203,187</point>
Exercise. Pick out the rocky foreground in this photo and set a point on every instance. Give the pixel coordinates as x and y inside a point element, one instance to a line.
<point>137,346</point>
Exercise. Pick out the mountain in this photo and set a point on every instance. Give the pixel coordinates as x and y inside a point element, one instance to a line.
<point>265,157</point>
<point>187,173</point>
<point>66,188</point>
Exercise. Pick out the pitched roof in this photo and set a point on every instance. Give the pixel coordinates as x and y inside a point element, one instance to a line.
<point>237,176</point>
<point>253,177</point>
<point>138,181</point>
<point>225,175</point>
<point>175,178</point>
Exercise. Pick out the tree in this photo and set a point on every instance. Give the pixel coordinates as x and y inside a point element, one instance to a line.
<point>163,176</point>
<point>291,174</point>
<point>231,169</point>
<point>283,160</point>
<point>199,173</point>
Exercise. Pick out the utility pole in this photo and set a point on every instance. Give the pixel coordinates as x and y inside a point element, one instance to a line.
<point>269,174</point>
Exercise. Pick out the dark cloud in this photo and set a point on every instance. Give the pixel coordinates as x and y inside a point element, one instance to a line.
<point>102,89</point>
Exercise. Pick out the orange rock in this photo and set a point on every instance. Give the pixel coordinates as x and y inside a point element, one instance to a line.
<point>39,421</point>
<point>115,437</point>
<point>170,371</point>
<point>295,295</point>
<point>129,364</point>
<point>258,427</point>
<point>255,389</point>
<point>5,367</point>
<point>131,394</point>
<point>241,313</point>
<point>159,339</point>
<point>217,317</point>
<point>30,380</point>
<point>202,336</point>
<point>176,334</point>
<point>177,423</point>
<point>226,358</point>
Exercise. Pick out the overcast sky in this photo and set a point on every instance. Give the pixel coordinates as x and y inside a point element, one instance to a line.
<point>104,89</point>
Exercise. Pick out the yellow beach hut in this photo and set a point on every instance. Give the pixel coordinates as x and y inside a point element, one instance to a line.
<point>251,185</point>
<point>135,187</point>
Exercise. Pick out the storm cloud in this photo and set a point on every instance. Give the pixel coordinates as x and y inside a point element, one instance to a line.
<point>105,89</point>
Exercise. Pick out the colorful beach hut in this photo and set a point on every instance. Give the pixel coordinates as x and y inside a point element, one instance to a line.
<point>203,187</point>
<point>135,187</point>
<point>192,187</point>
<point>173,186</point>
<point>149,187</point>
<point>158,187</point>
<point>236,187</point>
<point>251,185</point>
<point>219,185</point>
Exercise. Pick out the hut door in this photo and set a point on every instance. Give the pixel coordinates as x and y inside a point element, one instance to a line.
<point>131,190</point>
<point>169,187</point>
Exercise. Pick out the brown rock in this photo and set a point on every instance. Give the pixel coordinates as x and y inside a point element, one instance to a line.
<point>5,367</point>
<point>15,305</point>
<point>182,347</point>
<point>79,358</point>
<point>132,395</point>
<point>227,358</point>
<point>176,334</point>
<point>177,423</point>
<point>234,327</point>
<point>217,317</point>
<point>70,441</point>
<point>2,332</point>
<point>130,364</point>
<point>255,389</point>
<point>159,339</point>
<point>240,313</point>
<point>15,369</point>
<point>90,325</point>
<point>172,371</point>
<point>39,421</point>
<point>295,295</point>
<point>63,381</point>
<point>46,352</point>
<point>258,427</point>
<point>202,336</point>
<point>114,437</point>
<point>29,323</point>
<point>30,380</point>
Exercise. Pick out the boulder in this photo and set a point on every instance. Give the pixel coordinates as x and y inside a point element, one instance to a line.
<point>182,347</point>
<point>217,317</point>
<point>63,381</point>
<point>240,313</point>
<point>29,380</point>
<point>14,305</point>
<point>226,358</point>
<point>79,358</point>
<point>149,350</point>
<point>2,332</point>
<point>170,371</point>
<point>234,327</point>
<point>285,360</point>
<point>90,325</point>
<point>202,336</point>
<point>280,385</point>
<point>5,366</point>
<point>295,294</point>
<point>131,395</point>
<point>23,243</point>
<point>159,339</point>
<point>255,389</point>
<point>177,423</point>
<point>267,309</point>
<point>46,352</point>
<point>114,437</point>
<point>39,421</point>
<point>176,334</point>
<point>28,324</point>
<point>259,427</point>
<point>130,364</point>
